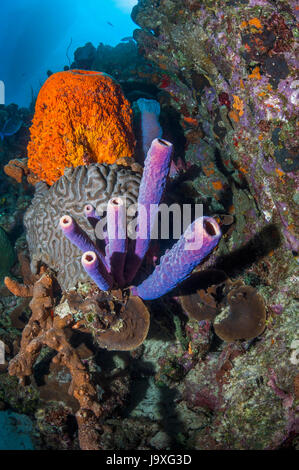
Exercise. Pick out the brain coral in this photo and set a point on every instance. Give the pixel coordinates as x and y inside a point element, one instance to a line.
<point>92,184</point>
<point>80,117</point>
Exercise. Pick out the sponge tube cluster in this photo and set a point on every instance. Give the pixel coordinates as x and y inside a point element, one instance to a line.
<point>120,262</point>
<point>178,263</point>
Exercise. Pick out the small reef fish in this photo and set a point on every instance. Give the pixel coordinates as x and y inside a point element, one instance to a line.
<point>11,127</point>
<point>110,24</point>
<point>127,39</point>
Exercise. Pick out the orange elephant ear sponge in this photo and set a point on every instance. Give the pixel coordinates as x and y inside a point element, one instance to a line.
<point>80,117</point>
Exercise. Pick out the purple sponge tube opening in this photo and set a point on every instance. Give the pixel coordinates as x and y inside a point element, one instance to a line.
<point>96,270</point>
<point>79,238</point>
<point>90,212</point>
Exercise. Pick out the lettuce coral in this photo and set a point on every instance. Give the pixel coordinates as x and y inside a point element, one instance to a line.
<point>80,117</point>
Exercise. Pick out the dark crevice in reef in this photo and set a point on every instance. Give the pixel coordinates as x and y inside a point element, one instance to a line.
<point>264,242</point>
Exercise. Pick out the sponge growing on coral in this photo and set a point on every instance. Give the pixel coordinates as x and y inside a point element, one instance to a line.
<point>80,117</point>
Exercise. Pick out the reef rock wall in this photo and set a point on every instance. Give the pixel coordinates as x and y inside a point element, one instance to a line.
<point>229,67</point>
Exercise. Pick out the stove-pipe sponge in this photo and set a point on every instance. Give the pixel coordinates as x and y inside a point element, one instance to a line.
<point>94,268</point>
<point>79,238</point>
<point>153,182</point>
<point>178,263</point>
<point>150,126</point>
<point>117,238</point>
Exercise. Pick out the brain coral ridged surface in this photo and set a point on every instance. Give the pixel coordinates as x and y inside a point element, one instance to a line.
<point>80,117</point>
<point>93,184</point>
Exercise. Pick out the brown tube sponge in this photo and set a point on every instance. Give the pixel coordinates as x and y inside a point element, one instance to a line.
<point>20,290</point>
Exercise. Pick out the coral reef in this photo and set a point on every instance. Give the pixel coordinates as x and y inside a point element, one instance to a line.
<point>84,56</point>
<point>122,62</point>
<point>49,326</point>
<point>118,320</point>
<point>16,397</point>
<point>213,364</point>
<point>50,249</point>
<point>80,117</point>
<point>229,71</point>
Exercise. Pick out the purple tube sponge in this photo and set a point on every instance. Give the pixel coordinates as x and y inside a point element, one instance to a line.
<point>123,259</point>
<point>93,218</point>
<point>150,126</point>
<point>178,263</point>
<point>94,268</point>
<point>156,169</point>
<point>91,215</point>
<point>117,237</point>
<point>78,237</point>
<point>90,212</point>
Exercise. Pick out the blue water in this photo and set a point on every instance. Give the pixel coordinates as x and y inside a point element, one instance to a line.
<point>35,35</point>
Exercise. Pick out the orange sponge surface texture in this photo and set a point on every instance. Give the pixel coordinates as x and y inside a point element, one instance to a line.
<point>80,117</point>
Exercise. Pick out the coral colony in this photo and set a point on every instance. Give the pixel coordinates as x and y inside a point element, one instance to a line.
<point>119,264</point>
